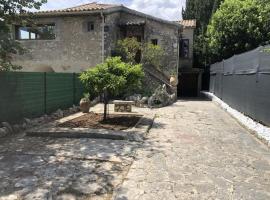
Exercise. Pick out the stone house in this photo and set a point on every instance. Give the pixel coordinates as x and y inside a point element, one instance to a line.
<point>74,39</point>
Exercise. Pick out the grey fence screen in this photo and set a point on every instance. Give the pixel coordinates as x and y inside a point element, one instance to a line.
<point>243,82</point>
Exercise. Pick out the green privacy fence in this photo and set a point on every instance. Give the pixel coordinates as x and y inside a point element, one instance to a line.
<point>32,94</point>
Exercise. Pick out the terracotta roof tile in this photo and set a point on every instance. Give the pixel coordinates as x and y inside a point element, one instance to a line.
<point>188,23</point>
<point>85,7</point>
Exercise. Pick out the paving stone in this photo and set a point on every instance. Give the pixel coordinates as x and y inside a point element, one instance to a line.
<point>195,150</point>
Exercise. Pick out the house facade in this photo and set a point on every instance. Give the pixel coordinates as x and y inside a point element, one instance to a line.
<point>74,39</point>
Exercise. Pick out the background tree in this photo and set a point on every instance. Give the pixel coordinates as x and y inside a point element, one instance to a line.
<point>238,26</point>
<point>112,78</point>
<point>10,13</point>
<point>202,11</point>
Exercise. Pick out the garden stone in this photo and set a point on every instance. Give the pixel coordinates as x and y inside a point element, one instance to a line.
<point>27,121</point>
<point>8,126</point>
<point>144,100</point>
<point>136,98</point>
<point>161,98</point>
<point>59,113</point>
<point>24,126</point>
<point>16,128</point>
<point>3,132</point>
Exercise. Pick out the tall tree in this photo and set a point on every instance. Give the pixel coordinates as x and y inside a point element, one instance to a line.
<point>238,26</point>
<point>202,11</point>
<point>11,12</point>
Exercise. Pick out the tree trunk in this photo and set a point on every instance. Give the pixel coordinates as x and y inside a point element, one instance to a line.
<point>105,105</point>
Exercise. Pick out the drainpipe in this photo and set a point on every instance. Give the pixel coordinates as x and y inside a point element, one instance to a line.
<point>102,36</point>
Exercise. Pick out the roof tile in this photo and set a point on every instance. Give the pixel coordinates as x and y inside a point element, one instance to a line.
<point>85,7</point>
<point>188,23</point>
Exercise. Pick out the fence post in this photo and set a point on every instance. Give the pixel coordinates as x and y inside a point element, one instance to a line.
<point>45,92</point>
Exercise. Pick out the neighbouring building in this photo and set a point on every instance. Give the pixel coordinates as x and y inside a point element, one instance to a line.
<point>190,78</point>
<point>74,39</point>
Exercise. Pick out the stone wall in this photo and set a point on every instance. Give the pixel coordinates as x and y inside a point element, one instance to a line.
<point>73,50</point>
<point>168,38</point>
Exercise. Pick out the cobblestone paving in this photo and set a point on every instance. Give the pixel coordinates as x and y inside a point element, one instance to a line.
<point>197,151</point>
<point>33,168</point>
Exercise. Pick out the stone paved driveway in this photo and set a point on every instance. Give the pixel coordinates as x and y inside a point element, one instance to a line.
<point>197,151</point>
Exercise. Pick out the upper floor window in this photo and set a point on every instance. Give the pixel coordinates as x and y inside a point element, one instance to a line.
<point>154,41</point>
<point>90,26</point>
<point>184,48</point>
<point>39,32</point>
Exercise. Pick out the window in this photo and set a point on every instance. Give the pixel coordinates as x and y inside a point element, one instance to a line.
<point>154,41</point>
<point>106,28</point>
<point>39,32</point>
<point>184,51</point>
<point>90,26</point>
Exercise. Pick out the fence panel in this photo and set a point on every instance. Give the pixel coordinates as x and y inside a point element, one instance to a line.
<point>78,89</point>
<point>245,83</point>
<point>59,91</point>
<point>32,94</point>
<point>22,95</point>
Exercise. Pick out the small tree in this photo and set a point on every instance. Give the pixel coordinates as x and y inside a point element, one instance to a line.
<point>111,78</point>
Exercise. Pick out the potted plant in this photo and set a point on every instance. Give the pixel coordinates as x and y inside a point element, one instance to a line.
<point>85,103</point>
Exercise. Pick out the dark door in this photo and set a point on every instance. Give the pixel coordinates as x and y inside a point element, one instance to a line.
<point>188,85</point>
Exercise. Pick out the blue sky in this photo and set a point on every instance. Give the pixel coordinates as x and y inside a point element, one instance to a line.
<point>166,9</point>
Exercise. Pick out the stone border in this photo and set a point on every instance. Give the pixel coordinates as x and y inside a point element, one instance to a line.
<point>260,131</point>
<point>137,133</point>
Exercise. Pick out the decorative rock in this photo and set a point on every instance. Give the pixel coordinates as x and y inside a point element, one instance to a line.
<point>59,113</point>
<point>16,128</point>
<point>144,100</point>
<point>161,98</point>
<point>3,132</point>
<point>27,121</point>
<point>8,126</point>
<point>136,98</point>
<point>24,126</point>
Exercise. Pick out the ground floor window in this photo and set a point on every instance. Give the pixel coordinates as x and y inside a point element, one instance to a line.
<point>38,32</point>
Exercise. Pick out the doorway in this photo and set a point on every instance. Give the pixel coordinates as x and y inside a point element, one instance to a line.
<point>188,85</point>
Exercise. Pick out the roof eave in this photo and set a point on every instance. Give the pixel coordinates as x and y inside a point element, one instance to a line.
<point>106,11</point>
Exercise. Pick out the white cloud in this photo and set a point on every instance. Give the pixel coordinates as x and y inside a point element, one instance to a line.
<point>165,9</point>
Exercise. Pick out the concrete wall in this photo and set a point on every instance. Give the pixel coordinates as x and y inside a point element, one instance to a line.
<point>188,33</point>
<point>73,50</point>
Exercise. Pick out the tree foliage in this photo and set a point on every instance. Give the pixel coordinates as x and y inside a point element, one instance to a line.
<point>238,26</point>
<point>202,11</point>
<point>112,77</point>
<point>10,13</point>
<point>153,55</point>
<point>128,49</point>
